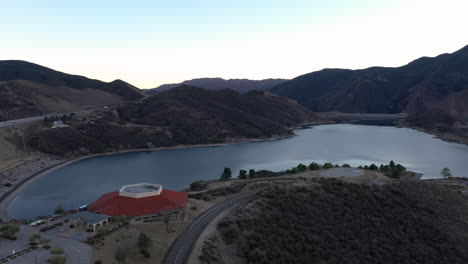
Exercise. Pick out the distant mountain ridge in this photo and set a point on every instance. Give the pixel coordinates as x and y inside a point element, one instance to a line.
<point>184,115</point>
<point>11,70</point>
<point>439,82</point>
<point>238,85</point>
<point>197,113</point>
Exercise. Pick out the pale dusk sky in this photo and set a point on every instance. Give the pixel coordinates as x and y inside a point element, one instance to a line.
<point>149,43</point>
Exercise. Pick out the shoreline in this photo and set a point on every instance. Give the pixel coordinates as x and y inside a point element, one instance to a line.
<point>10,195</point>
<point>448,137</point>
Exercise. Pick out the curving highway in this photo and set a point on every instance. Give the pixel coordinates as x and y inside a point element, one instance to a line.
<point>180,250</point>
<point>38,118</point>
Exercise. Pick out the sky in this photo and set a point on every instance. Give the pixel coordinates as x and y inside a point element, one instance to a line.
<point>149,43</point>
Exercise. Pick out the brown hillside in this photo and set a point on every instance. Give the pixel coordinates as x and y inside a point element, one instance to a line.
<point>19,99</point>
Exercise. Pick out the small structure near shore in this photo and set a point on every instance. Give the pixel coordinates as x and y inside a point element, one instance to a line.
<point>142,203</point>
<point>58,124</point>
<point>92,220</point>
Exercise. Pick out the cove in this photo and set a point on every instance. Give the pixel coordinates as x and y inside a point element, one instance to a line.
<point>84,181</point>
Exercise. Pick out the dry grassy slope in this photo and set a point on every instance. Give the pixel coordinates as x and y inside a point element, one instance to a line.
<point>455,103</point>
<point>10,155</point>
<point>21,98</point>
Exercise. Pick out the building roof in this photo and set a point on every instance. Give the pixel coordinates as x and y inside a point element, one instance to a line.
<point>89,217</point>
<point>141,188</point>
<point>114,204</point>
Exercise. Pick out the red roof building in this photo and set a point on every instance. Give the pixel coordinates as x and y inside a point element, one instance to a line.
<point>138,200</point>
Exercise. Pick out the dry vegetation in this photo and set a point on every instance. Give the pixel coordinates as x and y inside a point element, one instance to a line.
<point>331,221</point>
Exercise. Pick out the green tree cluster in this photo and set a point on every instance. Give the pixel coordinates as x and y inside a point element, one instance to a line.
<point>242,174</point>
<point>314,166</point>
<point>226,175</point>
<point>392,169</point>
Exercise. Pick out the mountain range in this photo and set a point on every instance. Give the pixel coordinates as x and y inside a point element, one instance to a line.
<point>28,89</point>
<point>238,85</point>
<point>439,82</point>
<point>424,84</point>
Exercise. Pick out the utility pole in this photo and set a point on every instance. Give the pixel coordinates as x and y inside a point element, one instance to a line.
<point>24,145</point>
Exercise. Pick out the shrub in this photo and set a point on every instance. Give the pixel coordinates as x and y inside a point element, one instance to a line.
<point>314,166</point>
<point>198,186</point>
<point>59,209</point>
<point>57,251</point>
<point>145,253</point>
<point>446,173</point>
<point>34,237</point>
<point>120,254</point>
<point>301,167</point>
<point>144,241</point>
<point>44,241</point>
<point>346,165</point>
<point>101,232</point>
<point>9,230</point>
<point>57,260</point>
<point>328,165</point>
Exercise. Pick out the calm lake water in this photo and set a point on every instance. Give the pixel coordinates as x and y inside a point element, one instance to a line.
<point>83,182</point>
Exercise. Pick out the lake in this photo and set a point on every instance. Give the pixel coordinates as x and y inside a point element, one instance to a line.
<point>84,181</point>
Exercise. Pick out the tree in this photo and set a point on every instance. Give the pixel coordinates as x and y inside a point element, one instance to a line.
<point>373,167</point>
<point>9,230</point>
<point>346,165</point>
<point>395,170</point>
<point>328,165</point>
<point>446,173</point>
<point>392,164</point>
<point>144,241</point>
<point>314,166</point>
<point>226,174</point>
<point>252,173</point>
<point>59,209</point>
<point>301,167</point>
<point>242,174</point>
<point>120,255</point>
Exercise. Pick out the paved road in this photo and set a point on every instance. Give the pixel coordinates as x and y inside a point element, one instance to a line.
<point>181,248</point>
<point>37,118</point>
